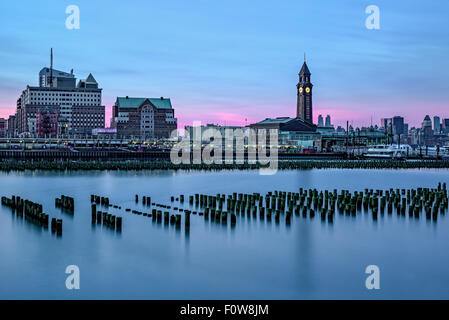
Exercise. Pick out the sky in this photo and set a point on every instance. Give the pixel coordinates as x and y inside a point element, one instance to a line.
<point>237,62</point>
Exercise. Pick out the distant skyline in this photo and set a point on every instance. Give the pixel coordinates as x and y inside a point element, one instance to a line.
<point>224,62</point>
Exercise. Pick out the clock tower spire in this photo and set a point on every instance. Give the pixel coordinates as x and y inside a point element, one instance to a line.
<point>304,94</point>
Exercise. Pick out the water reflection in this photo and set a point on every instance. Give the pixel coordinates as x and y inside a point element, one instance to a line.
<point>258,257</point>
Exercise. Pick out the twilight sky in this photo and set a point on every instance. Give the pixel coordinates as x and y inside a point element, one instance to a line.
<point>227,61</point>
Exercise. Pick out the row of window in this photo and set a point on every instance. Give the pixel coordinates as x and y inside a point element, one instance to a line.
<point>93,95</point>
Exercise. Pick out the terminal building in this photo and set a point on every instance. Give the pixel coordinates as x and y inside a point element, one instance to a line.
<point>299,132</point>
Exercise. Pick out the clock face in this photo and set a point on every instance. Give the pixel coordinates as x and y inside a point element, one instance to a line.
<point>300,90</point>
<point>307,89</point>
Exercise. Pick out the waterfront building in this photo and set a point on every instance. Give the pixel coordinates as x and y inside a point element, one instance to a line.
<point>102,133</point>
<point>47,122</point>
<point>143,117</point>
<point>285,124</point>
<point>80,104</point>
<point>292,131</point>
<point>11,131</point>
<point>221,129</point>
<point>3,127</point>
<point>304,87</point>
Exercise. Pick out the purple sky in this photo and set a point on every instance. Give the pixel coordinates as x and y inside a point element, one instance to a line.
<point>224,62</point>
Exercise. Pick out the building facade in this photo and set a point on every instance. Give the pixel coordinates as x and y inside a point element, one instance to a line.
<point>47,122</point>
<point>143,117</point>
<point>436,125</point>
<point>3,127</point>
<point>79,103</point>
<point>12,129</point>
<point>426,131</point>
<point>445,126</point>
<point>328,123</point>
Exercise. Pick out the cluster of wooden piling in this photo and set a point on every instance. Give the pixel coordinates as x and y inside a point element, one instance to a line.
<point>173,219</point>
<point>146,200</point>
<point>66,203</point>
<point>324,203</point>
<point>56,226</point>
<point>29,210</point>
<point>104,201</point>
<point>167,165</point>
<point>106,219</point>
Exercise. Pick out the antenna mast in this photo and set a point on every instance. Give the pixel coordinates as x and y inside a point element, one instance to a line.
<point>51,67</point>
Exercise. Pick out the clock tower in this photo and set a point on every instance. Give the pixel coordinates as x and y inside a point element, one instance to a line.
<point>304,95</point>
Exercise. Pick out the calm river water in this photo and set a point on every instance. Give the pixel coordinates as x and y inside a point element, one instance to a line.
<point>255,260</point>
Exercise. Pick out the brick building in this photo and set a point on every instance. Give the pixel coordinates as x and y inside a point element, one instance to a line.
<point>79,103</point>
<point>143,117</point>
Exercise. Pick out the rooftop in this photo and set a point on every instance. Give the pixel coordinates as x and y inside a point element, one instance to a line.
<point>130,102</point>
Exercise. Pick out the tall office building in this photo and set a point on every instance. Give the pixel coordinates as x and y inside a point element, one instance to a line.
<point>328,123</point>
<point>320,121</point>
<point>436,125</point>
<point>386,123</point>
<point>445,126</point>
<point>77,105</point>
<point>398,125</point>
<point>426,130</point>
<point>3,127</point>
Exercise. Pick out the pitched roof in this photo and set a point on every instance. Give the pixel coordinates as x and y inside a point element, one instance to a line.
<point>275,120</point>
<point>304,69</point>
<point>127,102</point>
<point>90,78</point>
<point>161,103</point>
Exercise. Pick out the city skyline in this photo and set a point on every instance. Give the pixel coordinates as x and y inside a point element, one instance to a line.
<point>238,71</point>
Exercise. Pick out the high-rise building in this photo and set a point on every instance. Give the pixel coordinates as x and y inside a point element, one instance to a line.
<point>445,125</point>
<point>79,104</point>
<point>320,121</point>
<point>143,117</point>
<point>398,125</point>
<point>405,133</point>
<point>304,95</point>
<point>436,125</point>
<point>386,123</point>
<point>426,130</point>
<point>328,123</point>
<point>3,127</point>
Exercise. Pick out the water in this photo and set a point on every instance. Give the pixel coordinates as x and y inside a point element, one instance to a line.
<point>254,260</point>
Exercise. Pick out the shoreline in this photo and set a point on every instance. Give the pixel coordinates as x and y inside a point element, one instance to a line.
<point>165,165</point>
